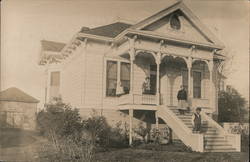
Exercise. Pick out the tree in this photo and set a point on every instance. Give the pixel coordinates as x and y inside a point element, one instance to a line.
<point>231,106</point>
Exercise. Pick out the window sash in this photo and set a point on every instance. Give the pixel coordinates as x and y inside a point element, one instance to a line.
<point>55,78</point>
<point>197,84</point>
<point>185,79</point>
<point>111,78</point>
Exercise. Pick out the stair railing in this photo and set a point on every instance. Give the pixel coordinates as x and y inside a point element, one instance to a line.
<point>195,141</point>
<point>233,139</point>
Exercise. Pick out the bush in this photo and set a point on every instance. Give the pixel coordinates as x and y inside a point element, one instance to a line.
<point>63,127</point>
<point>103,135</point>
<point>59,120</point>
<point>72,139</point>
<point>142,131</point>
<point>119,137</point>
<point>98,129</point>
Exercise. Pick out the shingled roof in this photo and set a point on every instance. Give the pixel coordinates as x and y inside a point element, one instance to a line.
<point>52,46</point>
<point>111,30</point>
<point>16,95</point>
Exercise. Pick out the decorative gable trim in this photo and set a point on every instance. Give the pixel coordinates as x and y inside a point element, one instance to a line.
<point>189,14</point>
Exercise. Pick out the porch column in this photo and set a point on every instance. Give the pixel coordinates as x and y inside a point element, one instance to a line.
<point>130,126</point>
<point>118,74</point>
<point>132,58</point>
<point>210,66</point>
<point>158,61</point>
<point>189,66</point>
<point>156,120</point>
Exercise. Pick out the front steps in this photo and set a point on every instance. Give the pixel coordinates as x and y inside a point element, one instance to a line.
<point>213,140</point>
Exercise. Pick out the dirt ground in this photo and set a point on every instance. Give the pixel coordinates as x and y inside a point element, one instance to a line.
<point>19,145</point>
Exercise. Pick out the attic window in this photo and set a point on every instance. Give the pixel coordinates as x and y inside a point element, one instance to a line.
<point>175,22</point>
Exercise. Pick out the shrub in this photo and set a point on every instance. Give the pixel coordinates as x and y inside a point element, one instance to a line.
<point>98,129</point>
<point>59,120</point>
<point>142,131</point>
<point>101,134</point>
<point>119,137</point>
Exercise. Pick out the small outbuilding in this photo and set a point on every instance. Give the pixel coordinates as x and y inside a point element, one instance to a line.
<point>17,109</point>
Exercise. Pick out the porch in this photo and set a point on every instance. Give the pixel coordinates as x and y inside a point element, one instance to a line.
<point>148,79</point>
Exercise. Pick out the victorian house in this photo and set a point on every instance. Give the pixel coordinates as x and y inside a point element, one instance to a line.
<point>132,73</point>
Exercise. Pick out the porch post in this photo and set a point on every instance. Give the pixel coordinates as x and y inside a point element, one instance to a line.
<point>158,61</point>
<point>118,74</point>
<point>132,58</point>
<point>189,66</point>
<point>130,126</point>
<point>210,66</point>
<point>156,120</point>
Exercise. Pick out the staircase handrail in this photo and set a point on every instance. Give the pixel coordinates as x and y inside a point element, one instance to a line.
<point>210,120</point>
<point>178,120</point>
<point>233,139</point>
<point>195,141</point>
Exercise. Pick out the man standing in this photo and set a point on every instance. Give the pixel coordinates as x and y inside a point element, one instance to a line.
<point>196,121</point>
<point>182,100</point>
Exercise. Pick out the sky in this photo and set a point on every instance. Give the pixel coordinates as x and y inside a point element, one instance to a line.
<point>25,23</point>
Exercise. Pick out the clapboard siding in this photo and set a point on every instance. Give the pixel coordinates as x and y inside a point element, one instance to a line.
<point>71,81</point>
<point>93,79</point>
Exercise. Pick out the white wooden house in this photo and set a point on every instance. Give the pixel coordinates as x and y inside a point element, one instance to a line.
<point>171,48</point>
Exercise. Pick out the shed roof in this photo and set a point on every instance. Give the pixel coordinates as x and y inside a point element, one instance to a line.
<point>52,46</point>
<point>16,95</point>
<point>111,30</point>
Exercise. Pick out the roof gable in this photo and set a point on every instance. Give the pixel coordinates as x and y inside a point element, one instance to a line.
<point>16,95</point>
<point>186,31</point>
<point>190,19</point>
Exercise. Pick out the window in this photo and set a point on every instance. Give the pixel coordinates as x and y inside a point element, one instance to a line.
<point>153,69</point>
<point>175,22</point>
<point>55,78</point>
<point>125,77</point>
<point>185,79</point>
<point>111,78</point>
<point>197,84</point>
<point>54,84</point>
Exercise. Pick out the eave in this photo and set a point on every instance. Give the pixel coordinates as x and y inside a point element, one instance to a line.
<point>150,35</point>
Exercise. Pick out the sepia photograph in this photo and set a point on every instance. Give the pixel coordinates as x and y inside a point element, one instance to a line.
<point>124,80</point>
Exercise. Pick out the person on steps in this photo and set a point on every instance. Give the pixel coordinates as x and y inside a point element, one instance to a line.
<point>196,121</point>
<point>182,100</point>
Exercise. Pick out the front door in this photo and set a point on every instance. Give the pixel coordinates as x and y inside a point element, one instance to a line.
<point>153,79</point>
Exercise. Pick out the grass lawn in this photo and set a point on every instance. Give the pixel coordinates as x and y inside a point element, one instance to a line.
<point>142,155</point>
<point>16,144</point>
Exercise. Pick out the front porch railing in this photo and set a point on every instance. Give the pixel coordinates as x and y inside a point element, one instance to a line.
<point>138,99</point>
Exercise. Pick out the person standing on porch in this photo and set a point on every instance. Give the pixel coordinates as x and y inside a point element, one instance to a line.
<point>196,121</point>
<point>146,86</point>
<point>182,100</point>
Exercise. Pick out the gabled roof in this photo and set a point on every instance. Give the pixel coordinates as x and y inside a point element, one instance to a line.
<point>52,46</point>
<point>111,30</point>
<point>179,5</point>
<point>16,95</point>
<point>115,31</point>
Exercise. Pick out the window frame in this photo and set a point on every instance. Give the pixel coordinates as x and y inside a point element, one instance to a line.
<point>193,87</point>
<point>105,74</point>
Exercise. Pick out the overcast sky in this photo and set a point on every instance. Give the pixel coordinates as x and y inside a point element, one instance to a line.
<point>26,22</point>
